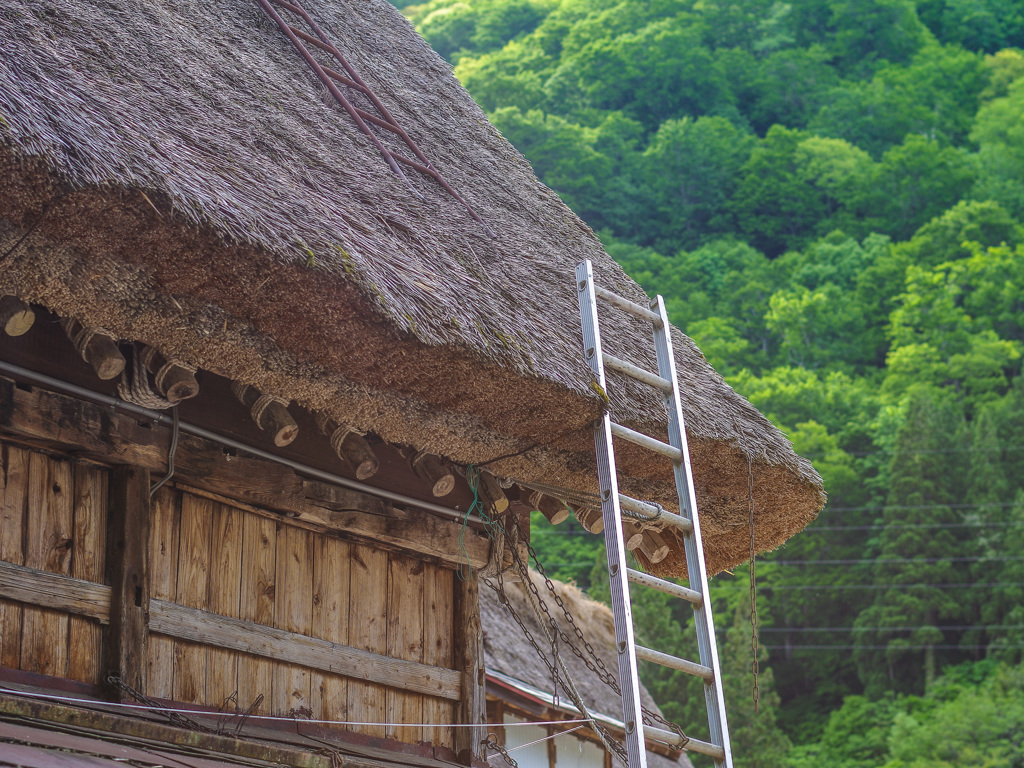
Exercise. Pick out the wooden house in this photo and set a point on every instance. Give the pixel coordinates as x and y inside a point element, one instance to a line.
<point>247,367</point>
<point>535,720</point>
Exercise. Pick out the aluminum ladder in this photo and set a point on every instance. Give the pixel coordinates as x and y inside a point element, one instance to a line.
<point>612,504</point>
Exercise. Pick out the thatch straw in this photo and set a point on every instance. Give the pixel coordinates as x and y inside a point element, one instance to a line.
<point>190,186</point>
<point>507,650</point>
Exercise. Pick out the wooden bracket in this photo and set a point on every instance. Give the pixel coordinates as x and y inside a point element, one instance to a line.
<point>174,381</point>
<point>270,413</point>
<point>97,347</point>
<point>491,494</point>
<point>125,644</point>
<point>16,316</point>
<point>357,458</point>
<point>553,509</point>
<point>591,519</point>
<point>431,469</point>
<point>654,547</point>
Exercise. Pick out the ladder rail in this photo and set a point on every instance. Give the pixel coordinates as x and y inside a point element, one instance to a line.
<point>615,550</point>
<point>693,543</point>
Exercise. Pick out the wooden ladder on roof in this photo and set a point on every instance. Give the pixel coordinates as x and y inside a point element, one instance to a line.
<point>615,504</point>
<point>363,118</point>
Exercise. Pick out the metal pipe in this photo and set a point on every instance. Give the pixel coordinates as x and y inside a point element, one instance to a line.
<point>205,434</point>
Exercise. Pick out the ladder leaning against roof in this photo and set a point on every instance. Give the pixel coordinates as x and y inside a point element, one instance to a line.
<point>612,504</point>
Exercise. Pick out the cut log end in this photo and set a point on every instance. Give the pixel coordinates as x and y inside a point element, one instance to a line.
<point>553,509</point>
<point>632,536</point>
<point>654,547</point>
<point>491,493</point>
<point>16,316</point>
<point>432,470</point>
<point>591,519</point>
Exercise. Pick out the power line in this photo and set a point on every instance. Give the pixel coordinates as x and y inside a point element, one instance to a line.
<point>887,648</point>
<point>891,629</point>
<point>889,586</point>
<point>887,560</point>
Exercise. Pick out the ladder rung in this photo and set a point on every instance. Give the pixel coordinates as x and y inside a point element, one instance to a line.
<point>684,593</point>
<point>652,379</point>
<point>647,442</point>
<point>628,306</point>
<point>674,662</point>
<point>650,510</point>
<point>693,745</point>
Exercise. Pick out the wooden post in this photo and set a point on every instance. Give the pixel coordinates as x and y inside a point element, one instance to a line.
<point>491,494</point>
<point>591,519</point>
<point>431,469</point>
<point>176,382</point>
<point>128,575</point>
<point>16,316</point>
<point>269,413</point>
<point>469,657</point>
<point>554,510</point>
<point>355,453</point>
<point>97,347</point>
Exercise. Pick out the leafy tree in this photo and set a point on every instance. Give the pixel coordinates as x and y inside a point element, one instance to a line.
<point>999,132</point>
<point>690,170</point>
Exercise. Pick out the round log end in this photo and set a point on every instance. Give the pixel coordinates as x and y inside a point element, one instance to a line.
<point>286,435</point>
<point>19,322</point>
<point>369,468</point>
<point>108,367</point>
<point>182,390</point>
<point>444,486</point>
<point>500,504</point>
<point>559,517</point>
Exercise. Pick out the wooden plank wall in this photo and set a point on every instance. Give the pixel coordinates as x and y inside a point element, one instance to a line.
<point>53,518</point>
<point>238,563</point>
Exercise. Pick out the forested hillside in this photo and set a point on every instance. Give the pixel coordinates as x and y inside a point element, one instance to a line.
<point>830,194</point>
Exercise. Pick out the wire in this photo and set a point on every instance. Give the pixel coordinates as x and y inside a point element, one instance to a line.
<point>538,741</point>
<point>887,560</point>
<point>887,647</point>
<point>895,586</point>
<point>963,628</point>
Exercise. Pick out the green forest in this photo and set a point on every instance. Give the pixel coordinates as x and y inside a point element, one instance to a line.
<point>830,195</point>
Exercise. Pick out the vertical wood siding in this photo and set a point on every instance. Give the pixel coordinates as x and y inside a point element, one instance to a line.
<point>52,517</point>
<point>237,563</point>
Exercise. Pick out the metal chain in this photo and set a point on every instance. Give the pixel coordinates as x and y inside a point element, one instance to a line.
<point>492,744</point>
<point>595,663</point>
<point>755,692</point>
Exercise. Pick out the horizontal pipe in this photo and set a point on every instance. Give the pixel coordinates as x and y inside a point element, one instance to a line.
<point>205,434</point>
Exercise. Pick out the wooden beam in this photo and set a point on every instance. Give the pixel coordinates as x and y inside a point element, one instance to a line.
<point>53,590</point>
<point>128,527</point>
<point>199,626</point>
<point>469,657</point>
<point>67,424</point>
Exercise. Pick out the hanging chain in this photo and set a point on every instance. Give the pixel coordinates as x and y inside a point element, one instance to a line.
<point>493,744</point>
<point>755,692</point>
<point>591,659</point>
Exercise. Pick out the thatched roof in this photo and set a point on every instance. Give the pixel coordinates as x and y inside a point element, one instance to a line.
<point>508,652</point>
<point>183,180</point>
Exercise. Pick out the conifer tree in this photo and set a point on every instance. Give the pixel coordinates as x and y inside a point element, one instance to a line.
<point>916,565</point>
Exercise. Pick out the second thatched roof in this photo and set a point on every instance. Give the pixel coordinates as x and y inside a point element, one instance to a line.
<point>173,171</point>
